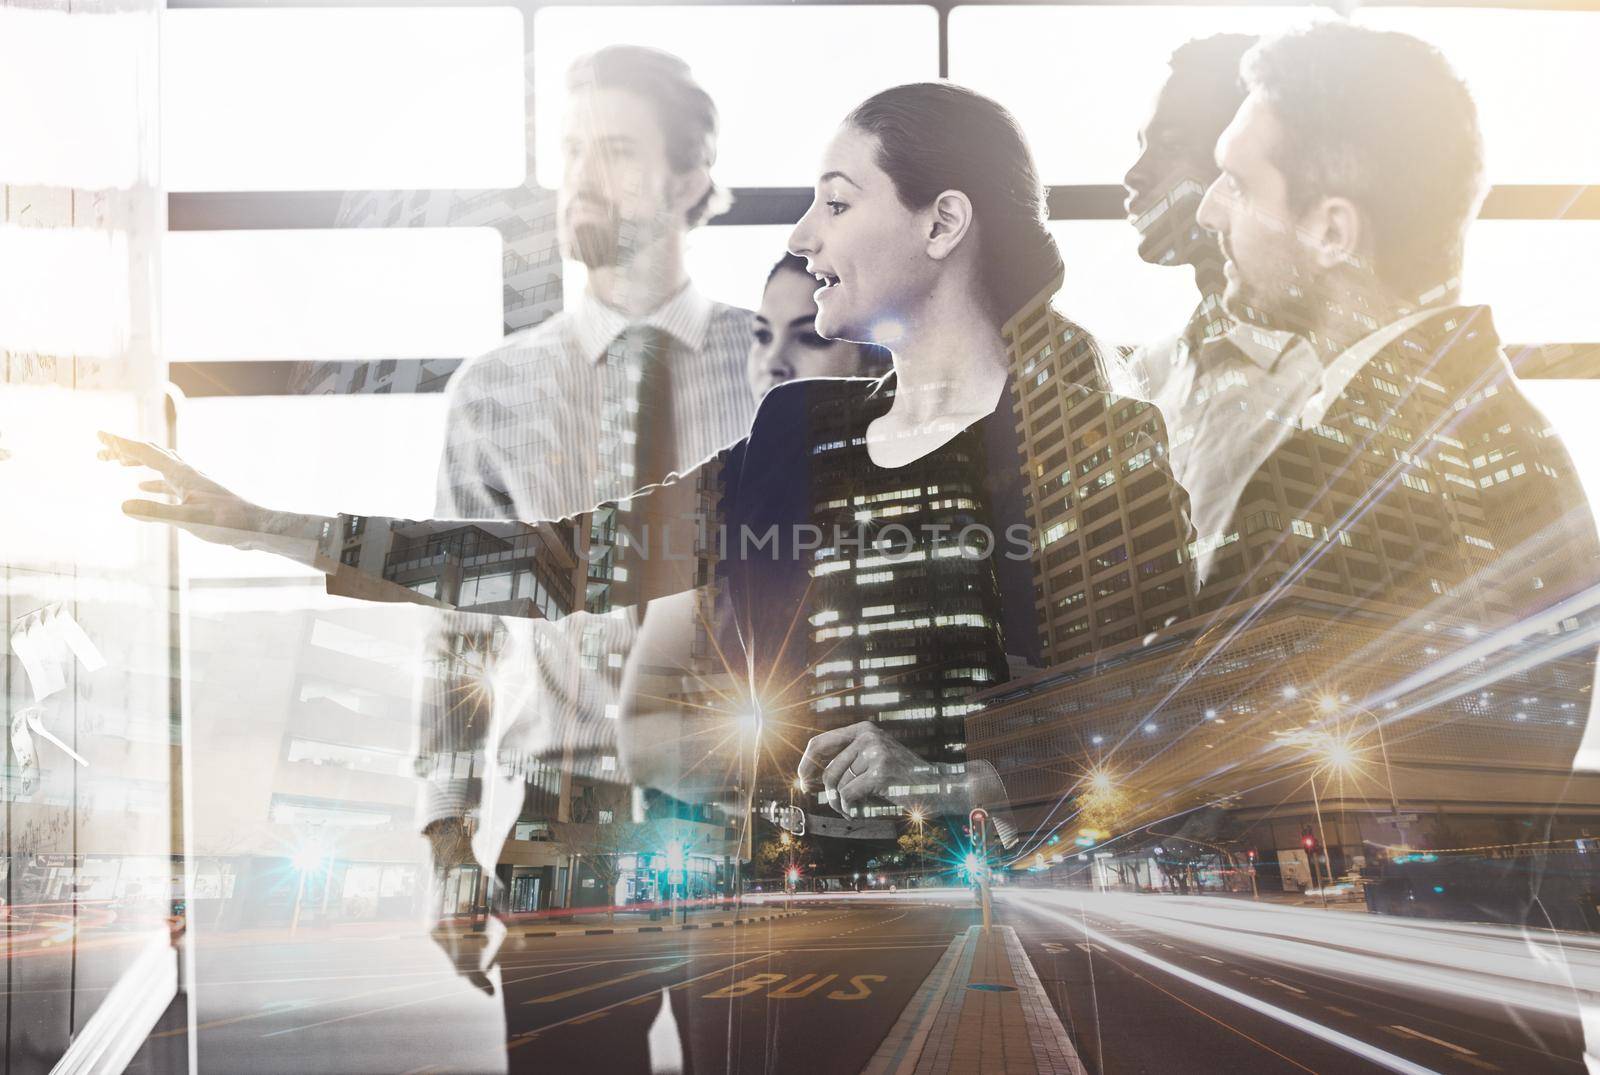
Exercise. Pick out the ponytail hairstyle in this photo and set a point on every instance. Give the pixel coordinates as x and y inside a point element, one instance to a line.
<point>935,136</point>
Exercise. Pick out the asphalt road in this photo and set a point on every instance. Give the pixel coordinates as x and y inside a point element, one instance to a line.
<point>1160,984</point>
<point>789,996</point>
<point>1143,984</point>
<point>816,992</point>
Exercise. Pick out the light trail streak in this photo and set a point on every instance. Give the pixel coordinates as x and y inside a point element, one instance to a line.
<point>1432,674</point>
<point>1481,964</point>
<point>1360,1048</point>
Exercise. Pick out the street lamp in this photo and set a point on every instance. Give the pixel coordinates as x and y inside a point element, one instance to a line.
<point>307,857</point>
<point>918,818</point>
<point>1340,753</point>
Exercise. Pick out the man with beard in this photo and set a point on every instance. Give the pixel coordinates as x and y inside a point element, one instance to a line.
<point>1214,363</point>
<point>637,377</point>
<point>1347,183</point>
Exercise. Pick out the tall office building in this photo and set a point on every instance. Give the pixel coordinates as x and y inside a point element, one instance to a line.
<point>899,636</point>
<point>1108,560</point>
<point>1362,565</point>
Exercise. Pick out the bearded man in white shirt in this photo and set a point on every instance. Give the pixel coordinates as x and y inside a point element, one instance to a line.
<point>639,376</point>
<point>1424,492</point>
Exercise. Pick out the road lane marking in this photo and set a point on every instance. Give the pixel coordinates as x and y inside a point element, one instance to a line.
<point>1341,1011</point>
<point>1283,985</point>
<point>1211,1016</point>
<point>858,983</point>
<point>393,1007</point>
<point>551,998</point>
<point>791,990</point>
<point>1366,1050</point>
<point>280,1007</point>
<point>1212,959</point>
<point>1090,946</point>
<point>1462,1049</point>
<point>531,1035</point>
<point>902,1047</point>
<point>744,986</point>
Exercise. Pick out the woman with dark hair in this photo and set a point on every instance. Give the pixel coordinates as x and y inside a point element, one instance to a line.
<point>892,571</point>
<point>785,345</point>
<point>927,233</point>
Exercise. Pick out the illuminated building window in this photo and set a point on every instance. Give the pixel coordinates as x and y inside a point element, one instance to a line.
<point>888,662</point>
<point>964,619</point>
<point>918,713</point>
<point>1058,531</point>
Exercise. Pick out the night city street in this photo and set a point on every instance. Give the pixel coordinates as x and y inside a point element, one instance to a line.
<point>728,537</point>
<point>1137,980</point>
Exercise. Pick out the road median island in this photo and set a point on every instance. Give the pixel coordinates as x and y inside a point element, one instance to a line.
<point>981,1009</point>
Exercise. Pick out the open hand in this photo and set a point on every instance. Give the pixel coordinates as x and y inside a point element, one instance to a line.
<point>209,510</point>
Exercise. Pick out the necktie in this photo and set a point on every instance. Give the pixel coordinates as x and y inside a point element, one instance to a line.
<point>655,438</point>
<point>643,377</point>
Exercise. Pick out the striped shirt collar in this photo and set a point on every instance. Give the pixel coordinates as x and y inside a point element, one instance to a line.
<point>686,317</point>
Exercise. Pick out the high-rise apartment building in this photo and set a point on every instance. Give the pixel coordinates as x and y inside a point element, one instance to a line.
<point>1343,610</point>
<point>897,635</point>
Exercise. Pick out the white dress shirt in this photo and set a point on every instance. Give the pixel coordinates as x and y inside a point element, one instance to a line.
<point>542,428</point>
<point>1229,402</point>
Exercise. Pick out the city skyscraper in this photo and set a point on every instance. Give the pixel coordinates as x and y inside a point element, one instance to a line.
<point>1341,615</point>
<point>897,635</point>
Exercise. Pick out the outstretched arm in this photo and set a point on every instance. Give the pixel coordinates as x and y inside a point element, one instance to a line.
<point>654,542</point>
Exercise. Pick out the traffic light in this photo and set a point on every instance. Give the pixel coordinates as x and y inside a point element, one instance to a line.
<point>1308,839</point>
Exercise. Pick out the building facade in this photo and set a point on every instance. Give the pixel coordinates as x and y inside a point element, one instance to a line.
<point>1332,671</point>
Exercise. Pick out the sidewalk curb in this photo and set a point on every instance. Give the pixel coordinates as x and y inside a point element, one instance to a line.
<point>1017,1021</point>
<point>606,931</point>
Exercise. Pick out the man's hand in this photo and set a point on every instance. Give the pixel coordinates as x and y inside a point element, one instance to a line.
<point>451,847</point>
<point>860,762</point>
<point>209,510</point>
